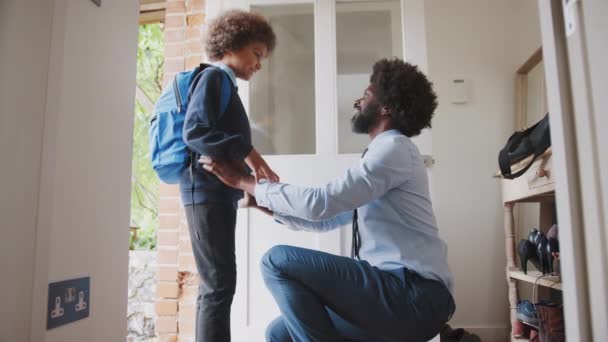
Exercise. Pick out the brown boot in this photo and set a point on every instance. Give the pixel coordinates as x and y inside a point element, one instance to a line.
<point>551,322</point>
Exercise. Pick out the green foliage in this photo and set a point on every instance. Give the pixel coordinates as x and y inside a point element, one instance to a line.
<point>144,189</point>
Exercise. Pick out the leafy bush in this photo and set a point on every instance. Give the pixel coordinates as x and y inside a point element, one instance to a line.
<point>144,188</point>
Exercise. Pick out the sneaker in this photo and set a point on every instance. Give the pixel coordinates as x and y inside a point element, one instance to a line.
<point>526,312</point>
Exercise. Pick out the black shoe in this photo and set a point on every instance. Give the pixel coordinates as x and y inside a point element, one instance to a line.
<point>535,236</point>
<point>527,251</point>
<point>541,251</point>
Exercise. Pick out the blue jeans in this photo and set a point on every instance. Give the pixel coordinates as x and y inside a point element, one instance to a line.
<point>325,297</point>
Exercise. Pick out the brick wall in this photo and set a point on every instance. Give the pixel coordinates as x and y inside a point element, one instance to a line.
<point>177,279</point>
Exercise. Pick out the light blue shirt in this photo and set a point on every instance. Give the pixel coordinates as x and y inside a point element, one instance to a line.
<point>227,70</point>
<point>395,215</point>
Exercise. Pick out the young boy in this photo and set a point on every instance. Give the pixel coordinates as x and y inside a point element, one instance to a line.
<point>237,42</point>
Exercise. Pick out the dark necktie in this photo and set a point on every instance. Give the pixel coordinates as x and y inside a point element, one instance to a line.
<point>356,239</point>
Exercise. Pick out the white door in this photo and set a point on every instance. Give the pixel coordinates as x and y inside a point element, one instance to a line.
<point>300,105</point>
<point>574,50</point>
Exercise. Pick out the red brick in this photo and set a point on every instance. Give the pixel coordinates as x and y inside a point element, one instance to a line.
<point>197,5</point>
<point>193,61</point>
<point>168,220</point>
<point>191,278</point>
<point>195,20</point>
<point>193,33</point>
<point>194,48</point>
<point>170,204</point>
<point>186,326</point>
<point>167,289</point>
<point>171,189</point>
<point>173,50</point>
<point>189,294</point>
<point>166,307</point>
<point>175,35</point>
<point>167,256</point>
<point>166,325</point>
<point>184,246</point>
<point>166,273</point>
<point>187,310</point>
<point>186,262</point>
<point>167,338</point>
<point>175,7</point>
<point>175,21</point>
<point>168,238</point>
<point>184,232</point>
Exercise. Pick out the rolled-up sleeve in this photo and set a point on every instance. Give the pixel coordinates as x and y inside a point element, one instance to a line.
<point>385,166</point>
<point>295,223</point>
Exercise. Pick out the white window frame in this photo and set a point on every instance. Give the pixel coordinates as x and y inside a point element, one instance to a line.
<point>413,35</point>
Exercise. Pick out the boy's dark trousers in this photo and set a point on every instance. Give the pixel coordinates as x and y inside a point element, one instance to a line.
<point>212,228</point>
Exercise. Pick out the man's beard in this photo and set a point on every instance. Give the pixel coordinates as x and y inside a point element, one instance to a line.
<point>365,120</point>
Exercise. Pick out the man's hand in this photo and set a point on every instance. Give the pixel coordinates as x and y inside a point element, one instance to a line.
<point>248,201</point>
<point>260,167</point>
<point>229,173</point>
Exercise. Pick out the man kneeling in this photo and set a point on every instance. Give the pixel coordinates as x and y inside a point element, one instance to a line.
<point>397,285</point>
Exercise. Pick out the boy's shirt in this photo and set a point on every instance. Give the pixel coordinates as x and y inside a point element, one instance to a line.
<point>225,68</point>
<point>218,135</point>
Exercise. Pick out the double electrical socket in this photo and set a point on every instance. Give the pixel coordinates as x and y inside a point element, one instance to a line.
<point>68,301</point>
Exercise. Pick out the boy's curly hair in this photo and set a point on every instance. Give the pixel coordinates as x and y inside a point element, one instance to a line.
<point>406,92</point>
<point>235,29</point>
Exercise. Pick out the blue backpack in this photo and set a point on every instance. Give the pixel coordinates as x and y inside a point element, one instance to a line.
<point>168,151</point>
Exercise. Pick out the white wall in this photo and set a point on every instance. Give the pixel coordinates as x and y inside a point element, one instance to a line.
<point>68,80</point>
<point>483,42</point>
<point>24,52</point>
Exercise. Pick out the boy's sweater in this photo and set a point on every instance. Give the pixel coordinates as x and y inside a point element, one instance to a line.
<point>217,135</point>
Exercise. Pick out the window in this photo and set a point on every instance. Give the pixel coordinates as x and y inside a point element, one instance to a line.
<point>282,94</point>
<point>365,33</point>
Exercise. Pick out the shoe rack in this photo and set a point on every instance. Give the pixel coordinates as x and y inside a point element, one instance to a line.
<point>537,185</point>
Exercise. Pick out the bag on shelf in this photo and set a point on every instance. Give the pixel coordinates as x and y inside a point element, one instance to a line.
<point>533,141</point>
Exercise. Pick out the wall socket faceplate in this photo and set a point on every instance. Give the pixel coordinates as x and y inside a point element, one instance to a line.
<point>68,301</point>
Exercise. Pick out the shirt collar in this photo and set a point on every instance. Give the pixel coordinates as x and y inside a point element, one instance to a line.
<point>227,70</point>
<point>383,135</point>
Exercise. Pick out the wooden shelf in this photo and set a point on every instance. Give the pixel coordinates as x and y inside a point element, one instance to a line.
<point>553,282</point>
<point>518,339</point>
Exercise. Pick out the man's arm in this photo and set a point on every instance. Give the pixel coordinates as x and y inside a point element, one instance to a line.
<point>383,168</point>
<point>296,223</point>
<point>387,165</point>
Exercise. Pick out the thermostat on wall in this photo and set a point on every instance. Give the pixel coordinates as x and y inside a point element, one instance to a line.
<point>459,91</point>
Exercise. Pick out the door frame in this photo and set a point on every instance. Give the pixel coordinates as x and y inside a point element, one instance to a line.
<point>572,51</point>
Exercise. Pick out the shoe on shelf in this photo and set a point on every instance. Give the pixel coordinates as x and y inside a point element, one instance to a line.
<point>541,250</point>
<point>526,312</point>
<point>527,252</point>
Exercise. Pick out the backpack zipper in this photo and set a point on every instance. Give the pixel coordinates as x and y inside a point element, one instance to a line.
<point>178,97</point>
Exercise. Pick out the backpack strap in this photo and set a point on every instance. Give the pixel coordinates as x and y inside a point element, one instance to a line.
<point>178,96</point>
<point>225,92</point>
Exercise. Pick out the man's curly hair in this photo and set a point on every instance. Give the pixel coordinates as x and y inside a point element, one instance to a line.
<point>407,94</point>
<point>234,30</point>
